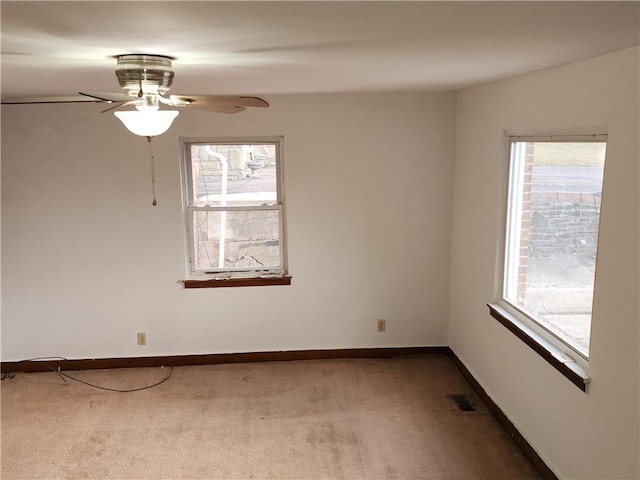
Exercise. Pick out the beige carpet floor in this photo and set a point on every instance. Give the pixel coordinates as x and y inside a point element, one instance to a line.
<point>316,419</point>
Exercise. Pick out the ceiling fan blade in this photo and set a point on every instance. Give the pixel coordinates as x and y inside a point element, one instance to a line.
<point>217,108</point>
<point>120,105</point>
<point>217,103</point>
<point>51,99</point>
<point>107,96</point>
<point>82,97</point>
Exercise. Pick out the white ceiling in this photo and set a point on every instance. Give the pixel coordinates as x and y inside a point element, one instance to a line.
<point>57,48</point>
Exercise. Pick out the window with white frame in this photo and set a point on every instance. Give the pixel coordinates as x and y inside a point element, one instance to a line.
<point>553,213</point>
<point>234,207</point>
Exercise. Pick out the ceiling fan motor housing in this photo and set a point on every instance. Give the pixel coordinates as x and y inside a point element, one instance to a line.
<point>141,74</point>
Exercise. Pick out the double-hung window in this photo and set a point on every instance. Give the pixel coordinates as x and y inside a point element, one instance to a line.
<point>234,208</point>
<point>550,244</point>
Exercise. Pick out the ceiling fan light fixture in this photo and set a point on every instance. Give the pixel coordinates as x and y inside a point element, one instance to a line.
<point>147,123</point>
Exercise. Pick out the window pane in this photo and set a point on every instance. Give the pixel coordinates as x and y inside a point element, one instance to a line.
<point>233,174</point>
<point>236,240</point>
<point>553,232</point>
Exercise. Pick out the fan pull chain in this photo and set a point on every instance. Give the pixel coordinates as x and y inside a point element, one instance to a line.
<point>153,173</point>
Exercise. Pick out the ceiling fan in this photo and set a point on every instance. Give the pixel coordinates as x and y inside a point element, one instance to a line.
<point>145,80</point>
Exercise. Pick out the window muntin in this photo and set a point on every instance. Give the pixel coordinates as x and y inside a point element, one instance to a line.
<point>555,188</point>
<point>234,206</point>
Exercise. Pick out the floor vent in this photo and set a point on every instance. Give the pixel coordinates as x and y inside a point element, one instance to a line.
<point>463,403</point>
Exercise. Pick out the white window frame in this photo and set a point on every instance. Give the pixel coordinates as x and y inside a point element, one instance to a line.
<point>189,208</point>
<point>557,349</point>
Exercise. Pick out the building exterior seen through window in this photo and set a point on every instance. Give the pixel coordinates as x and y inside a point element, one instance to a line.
<point>234,206</point>
<point>555,193</point>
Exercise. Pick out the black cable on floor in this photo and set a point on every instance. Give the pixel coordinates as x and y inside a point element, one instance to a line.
<point>9,374</point>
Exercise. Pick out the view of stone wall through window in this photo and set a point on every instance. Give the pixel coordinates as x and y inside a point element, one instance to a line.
<point>560,213</point>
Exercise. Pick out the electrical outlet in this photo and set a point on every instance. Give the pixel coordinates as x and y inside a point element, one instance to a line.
<point>142,338</point>
<point>382,325</point>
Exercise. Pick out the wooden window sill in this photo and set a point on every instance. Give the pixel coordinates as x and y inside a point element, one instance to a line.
<point>563,364</point>
<point>236,282</point>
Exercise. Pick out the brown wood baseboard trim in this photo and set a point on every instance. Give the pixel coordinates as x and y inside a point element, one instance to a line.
<point>504,421</point>
<point>217,358</point>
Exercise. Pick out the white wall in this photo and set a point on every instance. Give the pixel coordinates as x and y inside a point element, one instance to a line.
<point>580,436</point>
<point>88,262</point>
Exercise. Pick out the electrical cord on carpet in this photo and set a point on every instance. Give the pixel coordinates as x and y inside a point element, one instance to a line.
<point>9,375</point>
